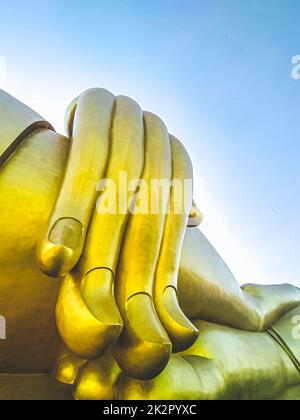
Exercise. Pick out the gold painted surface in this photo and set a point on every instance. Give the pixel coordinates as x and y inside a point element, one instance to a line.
<point>29,181</point>
<point>286,331</point>
<point>209,291</point>
<point>119,302</point>
<point>223,364</point>
<point>32,387</point>
<point>17,121</point>
<point>291,394</point>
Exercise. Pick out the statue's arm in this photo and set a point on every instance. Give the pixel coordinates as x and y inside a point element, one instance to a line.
<point>209,291</point>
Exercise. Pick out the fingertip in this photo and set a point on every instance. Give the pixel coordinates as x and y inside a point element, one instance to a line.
<point>195,217</point>
<point>144,349</point>
<point>98,379</point>
<point>142,360</point>
<point>181,331</point>
<point>54,260</point>
<point>67,369</point>
<point>60,251</point>
<point>84,334</point>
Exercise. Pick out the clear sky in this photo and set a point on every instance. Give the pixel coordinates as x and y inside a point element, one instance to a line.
<point>217,71</point>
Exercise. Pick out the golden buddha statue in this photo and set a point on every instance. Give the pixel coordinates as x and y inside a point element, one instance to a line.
<point>103,300</point>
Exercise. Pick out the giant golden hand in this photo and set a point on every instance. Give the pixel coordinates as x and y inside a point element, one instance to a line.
<point>112,137</point>
<point>117,289</point>
<point>248,348</point>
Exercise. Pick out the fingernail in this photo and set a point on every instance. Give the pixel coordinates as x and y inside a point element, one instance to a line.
<point>179,328</point>
<point>143,319</point>
<point>144,349</point>
<point>98,292</point>
<point>67,232</point>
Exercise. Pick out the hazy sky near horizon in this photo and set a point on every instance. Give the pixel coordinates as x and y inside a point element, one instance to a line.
<point>219,74</point>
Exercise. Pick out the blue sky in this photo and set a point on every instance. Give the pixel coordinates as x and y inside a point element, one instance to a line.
<point>217,71</point>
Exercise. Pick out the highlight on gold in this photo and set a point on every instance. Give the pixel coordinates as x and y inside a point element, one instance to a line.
<point>108,288</point>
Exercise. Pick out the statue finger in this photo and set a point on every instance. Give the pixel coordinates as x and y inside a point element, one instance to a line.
<point>179,328</point>
<point>144,349</point>
<point>89,124</point>
<point>98,379</point>
<point>83,333</point>
<point>102,248</point>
